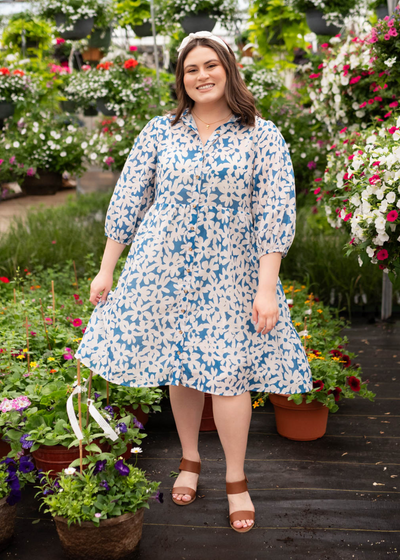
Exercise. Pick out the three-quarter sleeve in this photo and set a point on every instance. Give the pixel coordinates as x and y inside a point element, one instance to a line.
<point>273,204</point>
<point>135,189</point>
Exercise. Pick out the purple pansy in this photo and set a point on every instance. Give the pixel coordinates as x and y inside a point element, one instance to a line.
<point>121,468</point>
<point>100,466</point>
<point>26,444</point>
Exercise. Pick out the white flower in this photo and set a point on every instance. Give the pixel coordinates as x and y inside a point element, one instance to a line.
<point>390,197</point>
<point>390,61</point>
<point>370,251</point>
<point>307,312</point>
<point>303,333</point>
<point>16,144</point>
<point>42,136</point>
<point>383,206</point>
<point>118,137</point>
<point>360,261</point>
<point>380,223</point>
<point>68,140</point>
<point>23,131</point>
<point>93,156</point>
<point>84,145</point>
<point>7,146</point>
<point>120,122</point>
<point>136,450</point>
<point>63,154</point>
<point>289,301</point>
<point>70,470</point>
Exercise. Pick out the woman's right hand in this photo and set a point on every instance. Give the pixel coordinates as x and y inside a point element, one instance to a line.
<point>100,287</point>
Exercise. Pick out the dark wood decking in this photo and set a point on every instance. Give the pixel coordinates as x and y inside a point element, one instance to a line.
<point>334,498</point>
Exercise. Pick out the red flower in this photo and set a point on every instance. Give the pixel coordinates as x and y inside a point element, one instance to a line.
<point>104,65</point>
<point>319,384</point>
<point>4,71</point>
<point>18,72</point>
<point>362,105</point>
<point>60,41</point>
<point>336,353</point>
<point>131,63</point>
<point>317,190</point>
<point>347,361</point>
<point>312,76</point>
<point>354,383</point>
<point>393,104</point>
<point>382,255</point>
<point>336,393</point>
<point>355,80</point>
<point>387,115</point>
<point>392,130</point>
<point>4,279</point>
<point>392,216</point>
<point>343,130</point>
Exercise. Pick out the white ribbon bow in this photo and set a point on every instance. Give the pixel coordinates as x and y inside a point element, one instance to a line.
<point>94,413</point>
<point>207,34</point>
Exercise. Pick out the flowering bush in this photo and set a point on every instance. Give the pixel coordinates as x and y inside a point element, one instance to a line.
<point>108,488</point>
<point>361,191</point>
<point>14,474</point>
<point>334,375</point>
<point>43,141</point>
<point>16,86</point>
<point>265,84</point>
<point>34,28</point>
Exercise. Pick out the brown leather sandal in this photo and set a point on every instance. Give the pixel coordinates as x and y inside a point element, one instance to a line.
<point>189,466</point>
<point>238,488</point>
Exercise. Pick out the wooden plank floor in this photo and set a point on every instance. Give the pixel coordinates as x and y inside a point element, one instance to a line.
<point>334,498</point>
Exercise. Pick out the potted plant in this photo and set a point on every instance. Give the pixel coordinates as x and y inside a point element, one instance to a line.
<point>44,145</point>
<point>14,474</point>
<point>200,15</point>
<point>99,513</point>
<point>37,32</point>
<point>139,401</point>
<point>17,88</point>
<point>304,416</point>
<point>136,15</point>
<point>318,16</point>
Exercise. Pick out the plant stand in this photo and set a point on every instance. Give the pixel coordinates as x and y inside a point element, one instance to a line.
<point>114,539</point>
<point>299,422</point>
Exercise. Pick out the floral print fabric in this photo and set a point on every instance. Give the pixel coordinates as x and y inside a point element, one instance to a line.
<point>199,217</point>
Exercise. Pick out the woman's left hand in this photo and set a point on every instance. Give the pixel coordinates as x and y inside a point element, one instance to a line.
<point>265,311</point>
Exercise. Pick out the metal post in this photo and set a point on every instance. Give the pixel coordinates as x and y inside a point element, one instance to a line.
<point>391,4</point>
<point>153,27</point>
<point>387,297</point>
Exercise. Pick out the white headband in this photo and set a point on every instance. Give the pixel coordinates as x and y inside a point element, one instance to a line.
<point>206,34</point>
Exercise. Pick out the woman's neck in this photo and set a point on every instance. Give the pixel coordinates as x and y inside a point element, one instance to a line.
<point>211,113</point>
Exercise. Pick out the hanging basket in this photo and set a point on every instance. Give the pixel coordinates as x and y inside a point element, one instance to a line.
<point>382,11</point>
<point>114,539</point>
<point>101,38</point>
<point>207,419</point>
<point>6,109</point>
<point>90,110</point>
<point>48,183</point>
<point>144,30</point>
<point>56,458</point>
<point>81,29</point>
<point>299,422</point>
<point>101,105</point>
<point>200,21</point>
<point>7,523</point>
<point>69,106</point>
<point>318,25</point>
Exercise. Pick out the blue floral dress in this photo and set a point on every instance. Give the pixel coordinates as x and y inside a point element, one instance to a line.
<point>199,217</point>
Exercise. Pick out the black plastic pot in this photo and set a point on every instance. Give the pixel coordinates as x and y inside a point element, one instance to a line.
<point>143,30</point>
<point>200,21</point>
<point>382,11</point>
<point>6,109</point>
<point>101,38</point>
<point>82,27</point>
<point>91,110</point>
<point>69,106</point>
<point>101,106</point>
<point>318,25</point>
<point>48,183</point>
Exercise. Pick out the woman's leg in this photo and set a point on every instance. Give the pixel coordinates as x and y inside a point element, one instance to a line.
<point>232,417</point>
<point>187,406</point>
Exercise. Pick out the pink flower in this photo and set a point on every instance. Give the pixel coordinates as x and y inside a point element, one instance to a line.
<point>392,130</point>
<point>30,171</point>
<point>372,180</point>
<point>86,67</point>
<point>376,163</point>
<point>371,101</point>
<point>77,322</point>
<point>362,105</point>
<point>382,255</point>
<point>68,356</point>
<point>12,159</point>
<point>76,296</point>
<point>60,41</point>
<point>343,130</point>
<point>311,165</point>
<point>54,242</point>
<point>109,160</point>
<point>390,23</point>
<point>387,37</point>
<point>355,80</point>
<point>347,216</point>
<point>33,333</point>
<point>393,32</point>
<point>324,45</point>
<point>350,157</point>
<point>377,98</point>
<point>392,216</point>
<point>83,330</point>
<point>313,76</point>
<point>318,179</point>
<point>48,320</point>
<point>317,190</point>
<point>393,104</point>
<point>387,115</point>
<point>133,48</point>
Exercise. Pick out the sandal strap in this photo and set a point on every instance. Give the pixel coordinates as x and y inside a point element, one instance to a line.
<point>186,490</point>
<point>239,515</point>
<point>237,487</point>
<point>190,466</point>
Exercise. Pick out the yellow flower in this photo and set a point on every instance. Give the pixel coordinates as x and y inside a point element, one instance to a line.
<point>319,311</point>
<point>25,350</point>
<point>303,287</point>
<point>336,358</point>
<point>50,359</point>
<point>33,364</point>
<point>297,290</point>
<point>297,324</point>
<point>20,357</point>
<point>255,404</point>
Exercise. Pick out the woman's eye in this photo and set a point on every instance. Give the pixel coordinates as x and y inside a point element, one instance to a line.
<point>212,66</point>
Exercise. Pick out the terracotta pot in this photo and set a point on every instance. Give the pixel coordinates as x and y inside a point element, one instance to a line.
<point>114,539</point>
<point>299,422</point>
<point>56,458</point>
<point>207,419</point>
<point>7,522</point>
<point>92,54</point>
<point>5,448</point>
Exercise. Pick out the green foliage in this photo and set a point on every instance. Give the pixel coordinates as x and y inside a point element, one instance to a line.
<point>35,28</point>
<point>272,22</point>
<point>342,7</point>
<point>107,489</point>
<point>130,13</point>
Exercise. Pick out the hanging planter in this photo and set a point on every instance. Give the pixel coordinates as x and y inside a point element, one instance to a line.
<point>299,422</point>
<point>101,38</point>
<point>69,106</point>
<point>114,539</point>
<point>90,110</point>
<point>274,37</point>
<point>199,21</point>
<point>92,54</point>
<point>143,30</point>
<point>382,11</point>
<point>81,29</point>
<point>101,105</point>
<point>6,109</point>
<point>56,458</point>
<point>7,523</point>
<point>318,24</point>
<point>48,182</point>
<point>207,419</point>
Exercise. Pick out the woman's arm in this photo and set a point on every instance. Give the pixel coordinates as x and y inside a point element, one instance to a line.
<point>265,307</point>
<point>103,282</point>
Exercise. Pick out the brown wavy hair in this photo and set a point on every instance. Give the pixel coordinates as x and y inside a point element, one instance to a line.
<point>239,99</point>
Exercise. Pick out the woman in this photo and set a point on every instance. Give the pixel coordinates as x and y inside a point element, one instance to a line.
<point>207,199</point>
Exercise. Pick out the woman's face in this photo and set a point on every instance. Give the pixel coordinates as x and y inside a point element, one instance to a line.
<point>202,66</point>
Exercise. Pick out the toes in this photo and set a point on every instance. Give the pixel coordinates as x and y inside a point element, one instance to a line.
<point>238,524</point>
<point>186,498</point>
